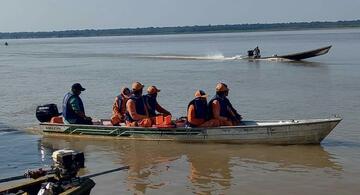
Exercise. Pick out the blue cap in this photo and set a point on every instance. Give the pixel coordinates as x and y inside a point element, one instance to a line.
<point>77,86</point>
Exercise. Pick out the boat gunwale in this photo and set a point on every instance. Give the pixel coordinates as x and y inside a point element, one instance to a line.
<point>28,183</point>
<point>327,48</point>
<point>292,122</point>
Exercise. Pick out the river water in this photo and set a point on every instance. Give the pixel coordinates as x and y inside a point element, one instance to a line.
<point>39,71</point>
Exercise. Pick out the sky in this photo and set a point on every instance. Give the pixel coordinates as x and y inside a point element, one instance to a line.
<point>53,15</point>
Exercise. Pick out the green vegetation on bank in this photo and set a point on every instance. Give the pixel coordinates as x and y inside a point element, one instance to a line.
<point>184,29</point>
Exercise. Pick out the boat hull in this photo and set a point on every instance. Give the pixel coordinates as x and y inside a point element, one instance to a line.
<point>32,186</point>
<point>307,54</point>
<point>311,131</point>
<point>295,56</point>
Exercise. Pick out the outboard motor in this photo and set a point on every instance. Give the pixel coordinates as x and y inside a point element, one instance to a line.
<point>250,53</point>
<point>44,113</point>
<point>68,163</point>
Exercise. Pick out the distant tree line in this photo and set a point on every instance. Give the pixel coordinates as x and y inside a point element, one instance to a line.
<point>184,29</point>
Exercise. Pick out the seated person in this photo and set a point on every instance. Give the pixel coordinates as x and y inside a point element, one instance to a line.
<point>73,107</point>
<point>119,107</point>
<point>257,52</point>
<point>197,111</point>
<point>221,108</point>
<point>152,104</point>
<point>137,114</point>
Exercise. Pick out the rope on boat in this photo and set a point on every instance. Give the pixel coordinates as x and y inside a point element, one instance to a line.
<point>51,171</point>
<point>105,172</point>
<point>12,178</point>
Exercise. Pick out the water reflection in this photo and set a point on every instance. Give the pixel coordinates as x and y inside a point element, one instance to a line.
<point>204,167</point>
<point>305,63</point>
<point>45,154</point>
<point>342,143</point>
<point>6,129</point>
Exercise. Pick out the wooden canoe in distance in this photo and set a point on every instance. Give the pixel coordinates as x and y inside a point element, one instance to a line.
<point>307,54</point>
<point>310,131</point>
<point>296,56</point>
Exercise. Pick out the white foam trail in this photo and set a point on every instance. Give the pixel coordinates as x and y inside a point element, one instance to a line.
<point>237,57</point>
<point>184,57</point>
<point>219,57</point>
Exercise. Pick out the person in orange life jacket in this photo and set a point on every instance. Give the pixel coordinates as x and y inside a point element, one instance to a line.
<point>152,104</point>
<point>136,111</point>
<point>119,107</point>
<point>197,111</point>
<point>73,107</point>
<point>221,109</point>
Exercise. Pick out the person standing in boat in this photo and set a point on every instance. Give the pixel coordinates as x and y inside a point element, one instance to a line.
<point>257,52</point>
<point>152,104</point>
<point>73,107</point>
<point>119,107</point>
<point>198,112</point>
<point>221,109</point>
<point>136,110</point>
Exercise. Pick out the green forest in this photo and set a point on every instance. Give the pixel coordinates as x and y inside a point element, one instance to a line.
<point>227,28</point>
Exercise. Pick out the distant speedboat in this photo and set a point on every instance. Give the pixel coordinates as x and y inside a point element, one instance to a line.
<point>295,56</point>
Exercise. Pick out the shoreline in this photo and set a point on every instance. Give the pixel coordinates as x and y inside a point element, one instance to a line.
<point>209,29</point>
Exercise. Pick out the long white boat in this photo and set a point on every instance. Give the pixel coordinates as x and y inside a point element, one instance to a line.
<point>309,131</point>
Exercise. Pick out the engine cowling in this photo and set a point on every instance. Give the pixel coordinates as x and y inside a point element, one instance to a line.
<point>44,113</point>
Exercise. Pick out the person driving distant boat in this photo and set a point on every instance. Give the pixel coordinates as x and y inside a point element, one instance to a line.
<point>73,107</point>
<point>257,52</point>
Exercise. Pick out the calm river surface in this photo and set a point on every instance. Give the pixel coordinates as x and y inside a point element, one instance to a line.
<point>39,71</point>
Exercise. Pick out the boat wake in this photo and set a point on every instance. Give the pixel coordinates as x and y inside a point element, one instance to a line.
<point>218,57</point>
<point>190,57</point>
<point>5,129</point>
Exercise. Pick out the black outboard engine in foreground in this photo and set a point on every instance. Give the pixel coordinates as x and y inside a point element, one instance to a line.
<point>45,112</point>
<point>68,163</point>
